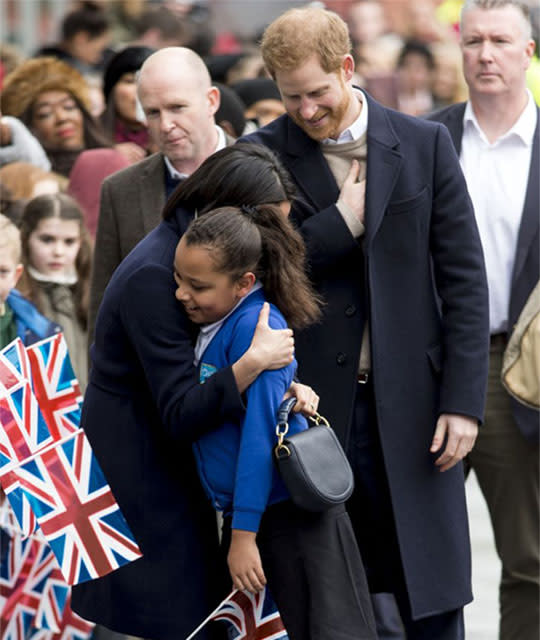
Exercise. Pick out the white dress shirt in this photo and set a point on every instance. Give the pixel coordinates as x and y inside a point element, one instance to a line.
<point>497,176</point>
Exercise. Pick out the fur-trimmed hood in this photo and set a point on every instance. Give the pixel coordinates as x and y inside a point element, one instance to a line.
<point>23,85</point>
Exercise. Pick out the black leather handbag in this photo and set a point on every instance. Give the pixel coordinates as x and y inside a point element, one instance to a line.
<point>312,463</point>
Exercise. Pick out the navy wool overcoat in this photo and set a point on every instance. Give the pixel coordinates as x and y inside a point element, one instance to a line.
<point>143,408</point>
<point>419,273</point>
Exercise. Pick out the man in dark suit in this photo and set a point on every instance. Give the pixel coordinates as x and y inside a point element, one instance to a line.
<point>496,135</point>
<point>179,102</point>
<point>400,357</point>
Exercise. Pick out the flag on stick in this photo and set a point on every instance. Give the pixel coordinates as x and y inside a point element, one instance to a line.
<point>251,616</point>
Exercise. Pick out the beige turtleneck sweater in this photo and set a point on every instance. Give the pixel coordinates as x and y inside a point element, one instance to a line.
<point>339,158</point>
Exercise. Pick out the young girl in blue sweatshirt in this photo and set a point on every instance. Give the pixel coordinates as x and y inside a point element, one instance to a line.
<point>227,265</point>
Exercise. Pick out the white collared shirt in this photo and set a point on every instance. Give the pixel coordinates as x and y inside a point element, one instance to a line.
<point>208,331</point>
<point>221,144</point>
<point>497,175</point>
<point>357,128</point>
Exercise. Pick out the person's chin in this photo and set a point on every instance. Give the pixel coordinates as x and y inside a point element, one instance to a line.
<point>69,145</point>
<point>318,133</point>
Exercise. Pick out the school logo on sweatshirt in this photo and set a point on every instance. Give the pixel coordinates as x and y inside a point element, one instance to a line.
<point>207,370</point>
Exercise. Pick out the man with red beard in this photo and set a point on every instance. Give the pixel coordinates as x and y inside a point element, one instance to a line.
<point>400,356</point>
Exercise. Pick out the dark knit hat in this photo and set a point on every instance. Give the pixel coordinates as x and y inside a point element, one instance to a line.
<point>128,60</point>
<point>33,77</point>
<point>254,89</point>
<point>231,109</point>
<point>220,64</point>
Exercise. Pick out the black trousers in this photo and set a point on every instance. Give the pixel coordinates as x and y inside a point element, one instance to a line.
<point>370,510</point>
<point>314,572</point>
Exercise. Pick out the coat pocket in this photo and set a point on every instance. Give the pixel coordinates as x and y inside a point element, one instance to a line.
<point>404,206</point>
<point>435,357</point>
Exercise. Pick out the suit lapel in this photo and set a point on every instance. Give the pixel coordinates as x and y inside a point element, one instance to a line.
<point>528,230</point>
<point>317,184</point>
<point>309,169</point>
<point>152,192</point>
<point>454,124</point>
<point>383,166</point>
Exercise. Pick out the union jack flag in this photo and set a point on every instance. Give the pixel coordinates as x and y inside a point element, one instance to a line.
<point>20,517</point>
<point>76,510</point>
<point>72,627</point>
<point>23,433</point>
<point>55,385</point>
<point>53,601</point>
<point>251,616</point>
<point>22,576</point>
<point>24,430</point>
<point>14,365</point>
<point>34,600</point>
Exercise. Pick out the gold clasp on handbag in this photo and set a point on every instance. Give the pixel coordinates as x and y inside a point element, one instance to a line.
<point>281,431</point>
<point>282,428</point>
<point>318,420</point>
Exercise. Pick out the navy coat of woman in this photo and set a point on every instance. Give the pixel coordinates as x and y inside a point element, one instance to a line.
<point>143,408</point>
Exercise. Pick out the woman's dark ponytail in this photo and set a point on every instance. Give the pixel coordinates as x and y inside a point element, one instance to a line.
<point>282,267</point>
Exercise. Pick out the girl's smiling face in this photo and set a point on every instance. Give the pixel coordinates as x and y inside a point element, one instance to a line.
<point>53,246</point>
<point>207,294</point>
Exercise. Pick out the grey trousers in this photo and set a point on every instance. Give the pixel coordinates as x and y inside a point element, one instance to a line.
<point>507,468</point>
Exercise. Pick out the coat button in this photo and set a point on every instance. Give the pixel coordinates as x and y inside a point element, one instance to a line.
<point>350,310</point>
<point>341,358</point>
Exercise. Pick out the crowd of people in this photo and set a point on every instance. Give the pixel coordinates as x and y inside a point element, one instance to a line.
<point>176,200</point>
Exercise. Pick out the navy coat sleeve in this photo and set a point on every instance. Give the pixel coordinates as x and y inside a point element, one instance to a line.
<point>159,332</point>
<point>461,284</point>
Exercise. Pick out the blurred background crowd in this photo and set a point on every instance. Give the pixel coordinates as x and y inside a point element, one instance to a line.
<point>77,60</point>
<point>407,57</point>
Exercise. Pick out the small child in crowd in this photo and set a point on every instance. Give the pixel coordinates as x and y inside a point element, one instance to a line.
<point>57,256</point>
<point>18,316</point>
<point>227,264</point>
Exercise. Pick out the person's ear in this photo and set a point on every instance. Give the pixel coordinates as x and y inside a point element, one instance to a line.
<point>529,52</point>
<point>214,99</point>
<point>245,283</point>
<point>18,273</point>
<point>347,67</point>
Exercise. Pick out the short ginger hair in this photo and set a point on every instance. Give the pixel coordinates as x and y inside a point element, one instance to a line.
<point>299,33</point>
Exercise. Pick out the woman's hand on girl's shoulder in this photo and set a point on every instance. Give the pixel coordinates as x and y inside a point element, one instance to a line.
<point>272,348</point>
<point>244,562</point>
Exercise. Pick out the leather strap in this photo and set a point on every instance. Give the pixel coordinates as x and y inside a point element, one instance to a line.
<point>285,409</point>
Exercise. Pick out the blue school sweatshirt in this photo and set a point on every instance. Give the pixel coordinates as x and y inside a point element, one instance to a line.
<point>235,461</point>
